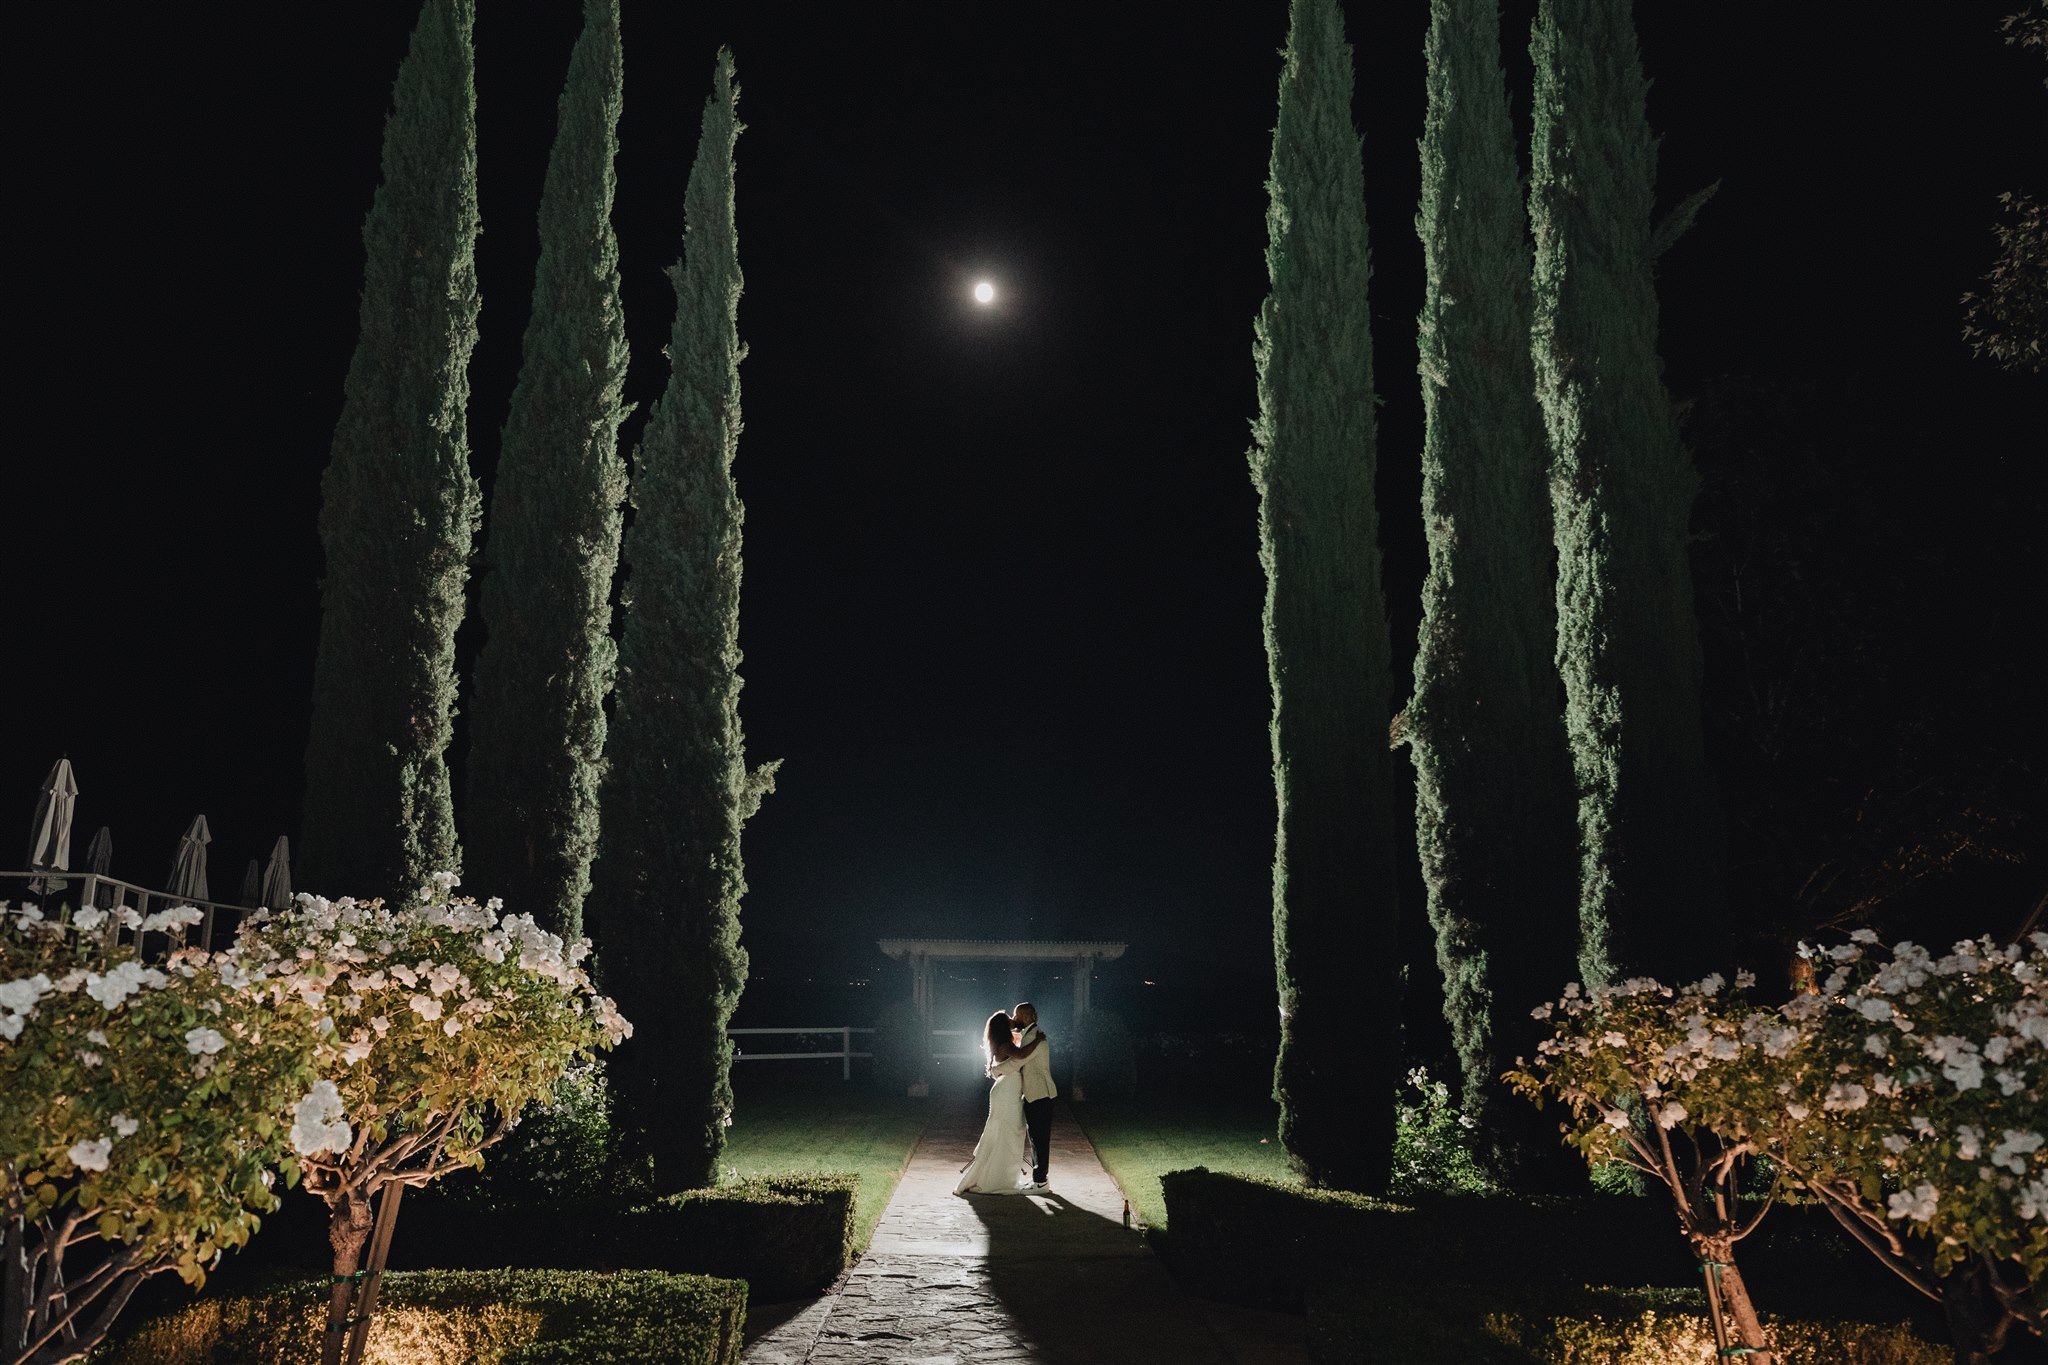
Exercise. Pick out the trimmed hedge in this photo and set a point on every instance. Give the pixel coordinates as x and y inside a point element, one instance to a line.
<point>455,1317</point>
<point>1244,1239</point>
<point>786,1236</point>
<point>1363,1324</point>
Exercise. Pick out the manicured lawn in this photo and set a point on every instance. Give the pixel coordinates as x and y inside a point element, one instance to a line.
<point>813,1128</point>
<point>1140,1140</point>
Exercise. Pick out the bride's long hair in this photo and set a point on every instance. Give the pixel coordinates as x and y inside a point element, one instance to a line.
<point>995,1039</point>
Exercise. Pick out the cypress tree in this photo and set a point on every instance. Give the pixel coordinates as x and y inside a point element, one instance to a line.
<point>1621,490</point>
<point>1313,462</point>
<point>666,890</point>
<point>537,721</point>
<point>1494,821</point>
<point>398,503</point>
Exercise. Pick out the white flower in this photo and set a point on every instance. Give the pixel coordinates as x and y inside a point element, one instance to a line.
<point>426,1007</point>
<point>1967,1143</point>
<point>1744,979</point>
<point>1843,1096</point>
<point>2011,1153</point>
<point>1612,1039</point>
<point>2033,1199</point>
<point>204,1040</point>
<point>1872,1007</point>
<point>1996,1048</point>
<point>89,919</point>
<point>1671,1114</point>
<point>1916,1204</point>
<point>22,994</point>
<point>2009,1082</point>
<point>1711,985</point>
<point>1797,1111</point>
<point>93,1035</point>
<point>1896,1143</point>
<point>10,1026</point>
<point>1965,1069</point>
<point>125,1126</point>
<point>1876,1045</point>
<point>318,1124</point>
<point>177,917</point>
<point>447,881</point>
<point>1863,936</point>
<point>125,980</point>
<point>90,1155</point>
<point>1923,1125</point>
<point>1617,1119</point>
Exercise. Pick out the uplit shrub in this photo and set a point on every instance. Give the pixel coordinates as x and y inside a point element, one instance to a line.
<point>443,1317</point>
<point>1433,1148</point>
<point>143,1117</point>
<point>440,1023</point>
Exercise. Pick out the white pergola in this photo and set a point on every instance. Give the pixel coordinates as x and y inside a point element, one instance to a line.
<point>924,953</point>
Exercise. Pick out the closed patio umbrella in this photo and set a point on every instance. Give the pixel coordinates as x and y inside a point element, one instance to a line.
<point>252,885</point>
<point>99,858</point>
<point>49,832</point>
<point>188,868</point>
<point>277,876</point>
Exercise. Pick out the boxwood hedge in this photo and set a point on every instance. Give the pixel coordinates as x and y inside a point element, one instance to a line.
<point>456,1317</point>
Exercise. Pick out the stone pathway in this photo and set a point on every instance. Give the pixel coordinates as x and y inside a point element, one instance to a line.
<point>1054,1277</point>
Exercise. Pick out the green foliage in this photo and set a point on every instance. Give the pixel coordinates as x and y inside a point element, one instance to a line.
<point>1435,1146</point>
<point>444,1317</point>
<point>1494,818</point>
<point>1313,461</point>
<point>558,1151</point>
<point>537,723</point>
<point>1621,493</point>
<point>669,878</point>
<point>398,502</point>
<point>2007,319</point>
<point>821,1131</point>
<point>1141,1141</point>
<point>1358,1323</point>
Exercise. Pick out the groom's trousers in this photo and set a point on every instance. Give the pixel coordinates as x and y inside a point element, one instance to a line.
<point>1038,1122</point>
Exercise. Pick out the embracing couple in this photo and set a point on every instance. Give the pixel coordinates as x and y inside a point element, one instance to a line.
<point>1020,1064</point>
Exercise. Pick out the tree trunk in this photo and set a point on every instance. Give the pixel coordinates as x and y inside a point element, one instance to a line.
<point>348,1231</point>
<point>1977,1321</point>
<point>1733,1295</point>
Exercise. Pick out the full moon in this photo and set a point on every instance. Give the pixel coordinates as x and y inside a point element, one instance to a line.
<point>984,292</point>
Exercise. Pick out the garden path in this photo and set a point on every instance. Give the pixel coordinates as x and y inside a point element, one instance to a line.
<point>1054,1278</point>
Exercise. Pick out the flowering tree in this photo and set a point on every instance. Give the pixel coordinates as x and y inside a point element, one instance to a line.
<point>1668,1082</point>
<point>1899,1089</point>
<point>438,1023</point>
<point>1918,1120</point>
<point>142,1120</point>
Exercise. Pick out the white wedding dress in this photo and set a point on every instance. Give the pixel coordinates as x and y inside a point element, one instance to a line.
<point>998,1165</point>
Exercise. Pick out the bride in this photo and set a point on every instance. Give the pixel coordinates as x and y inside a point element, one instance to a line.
<point>998,1165</point>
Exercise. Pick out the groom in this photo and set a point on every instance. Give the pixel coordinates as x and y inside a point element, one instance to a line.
<point>1039,1091</point>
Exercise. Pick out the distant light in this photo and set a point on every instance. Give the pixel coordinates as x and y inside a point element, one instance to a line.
<point>1151,983</point>
<point>984,292</point>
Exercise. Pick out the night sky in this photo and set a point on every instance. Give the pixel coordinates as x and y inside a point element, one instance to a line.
<point>1001,605</point>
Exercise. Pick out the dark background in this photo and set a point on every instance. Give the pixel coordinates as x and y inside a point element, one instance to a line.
<point>1001,609</point>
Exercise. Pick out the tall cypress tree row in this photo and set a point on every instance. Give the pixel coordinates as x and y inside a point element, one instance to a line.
<point>1494,821</point>
<point>537,721</point>
<point>666,890</point>
<point>1326,631</point>
<point>1621,489</point>
<point>398,502</point>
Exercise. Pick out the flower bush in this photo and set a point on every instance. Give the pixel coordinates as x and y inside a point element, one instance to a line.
<point>1912,1108</point>
<point>144,1112</point>
<point>1669,1082</point>
<point>438,1024</point>
<point>1901,1090</point>
<point>1433,1147</point>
